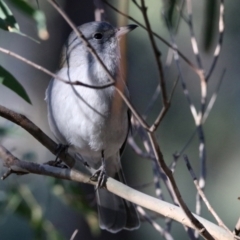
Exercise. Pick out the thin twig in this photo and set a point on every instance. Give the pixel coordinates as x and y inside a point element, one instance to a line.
<point>218,48</point>
<point>184,86</point>
<point>177,155</point>
<point>36,132</point>
<point>170,53</point>
<point>203,196</point>
<point>16,165</point>
<point>113,186</point>
<point>75,82</point>
<point>164,109</point>
<point>156,35</point>
<point>74,234</point>
<point>193,38</point>
<point>213,98</point>
<point>198,225</point>
<point>157,55</point>
<point>155,225</point>
<point>138,150</point>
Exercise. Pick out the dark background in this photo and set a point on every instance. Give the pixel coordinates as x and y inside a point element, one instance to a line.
<point>221,129</point>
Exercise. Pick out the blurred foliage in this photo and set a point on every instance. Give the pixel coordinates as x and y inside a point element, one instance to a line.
<point>7,20</point>
<point>35,14</point>
<point>72,195</point>
<point>210,23</point>
<point>171,12</point>
<point>9,23</point>
<point>20,201</point>
<point>10,82</point>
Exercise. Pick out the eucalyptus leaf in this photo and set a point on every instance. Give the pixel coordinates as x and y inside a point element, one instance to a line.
<point>170,11</point>
<point>7,20</point>
<point>210,23</point>
<point>10,82</point>
<point>36,14</point>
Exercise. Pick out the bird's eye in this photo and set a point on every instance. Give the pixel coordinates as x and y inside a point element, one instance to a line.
<point>98,35</point>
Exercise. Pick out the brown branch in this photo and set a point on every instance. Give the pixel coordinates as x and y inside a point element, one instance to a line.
<point>36,132</point>
<point>157,54</point>
<point>157,36</point>
<point>196,223</point>
<point>113,186</point>
<point>164,109</point>
<point>76,82</point>
<point>221,29</point>
<point>19,166</point>
<point>203,196</point>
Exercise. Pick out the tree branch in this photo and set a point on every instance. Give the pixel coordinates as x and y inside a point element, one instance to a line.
<point>141,199</point>
<point>36,132</point>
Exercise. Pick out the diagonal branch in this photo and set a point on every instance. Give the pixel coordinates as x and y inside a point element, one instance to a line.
<point>115,187</point>
<point>196,223</point>
<point>36,132</point>
<point>157,53</point>
<point>221,28</point>
<point>195,68</point>
<point>201,193</point>
<point>76,82</point>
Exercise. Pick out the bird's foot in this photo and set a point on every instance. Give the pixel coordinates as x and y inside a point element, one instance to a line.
<point>100,177</point>
<point>58,162</point>
<point>55,163</point>
<point>59,149</point>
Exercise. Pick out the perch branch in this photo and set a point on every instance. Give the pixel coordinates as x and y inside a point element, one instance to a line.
<point>141,199</point>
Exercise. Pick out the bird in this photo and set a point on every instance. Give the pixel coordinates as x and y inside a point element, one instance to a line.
<point>94,123</point>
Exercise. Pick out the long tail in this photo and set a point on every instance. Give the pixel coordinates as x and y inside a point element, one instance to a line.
<point>115,213</point>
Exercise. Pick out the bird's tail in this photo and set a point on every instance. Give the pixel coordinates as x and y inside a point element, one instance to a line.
<point>115,213</point>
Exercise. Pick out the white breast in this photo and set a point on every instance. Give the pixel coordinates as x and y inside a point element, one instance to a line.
<point>86,118</point>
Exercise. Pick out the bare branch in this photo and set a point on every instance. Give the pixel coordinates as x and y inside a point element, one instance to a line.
<point>164,109</point>
<point>193,38</point>
<point>201,193</point>
<point>36,132</point>
<point>74,234</point>
<point>218,48</point>
<point>213,98</point>
<point>157,55</point>
<point>158,36</point>
<point>155,225</point>
<point>115,187</point>
<point>16,165</point>
<point>76,82</point>
<point>197,224</point>
<point>183,82</point>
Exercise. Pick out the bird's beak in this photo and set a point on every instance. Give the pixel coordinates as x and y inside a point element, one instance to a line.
<point>124,30</point>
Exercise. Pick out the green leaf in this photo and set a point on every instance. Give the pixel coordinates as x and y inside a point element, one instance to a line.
<point>170,11</point>
<point>9,81</point>
<point>36,14</point>
<point>7,20</point>
<point>210,23</point>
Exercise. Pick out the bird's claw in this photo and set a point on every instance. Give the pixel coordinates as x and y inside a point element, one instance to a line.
<point>100,177</point>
